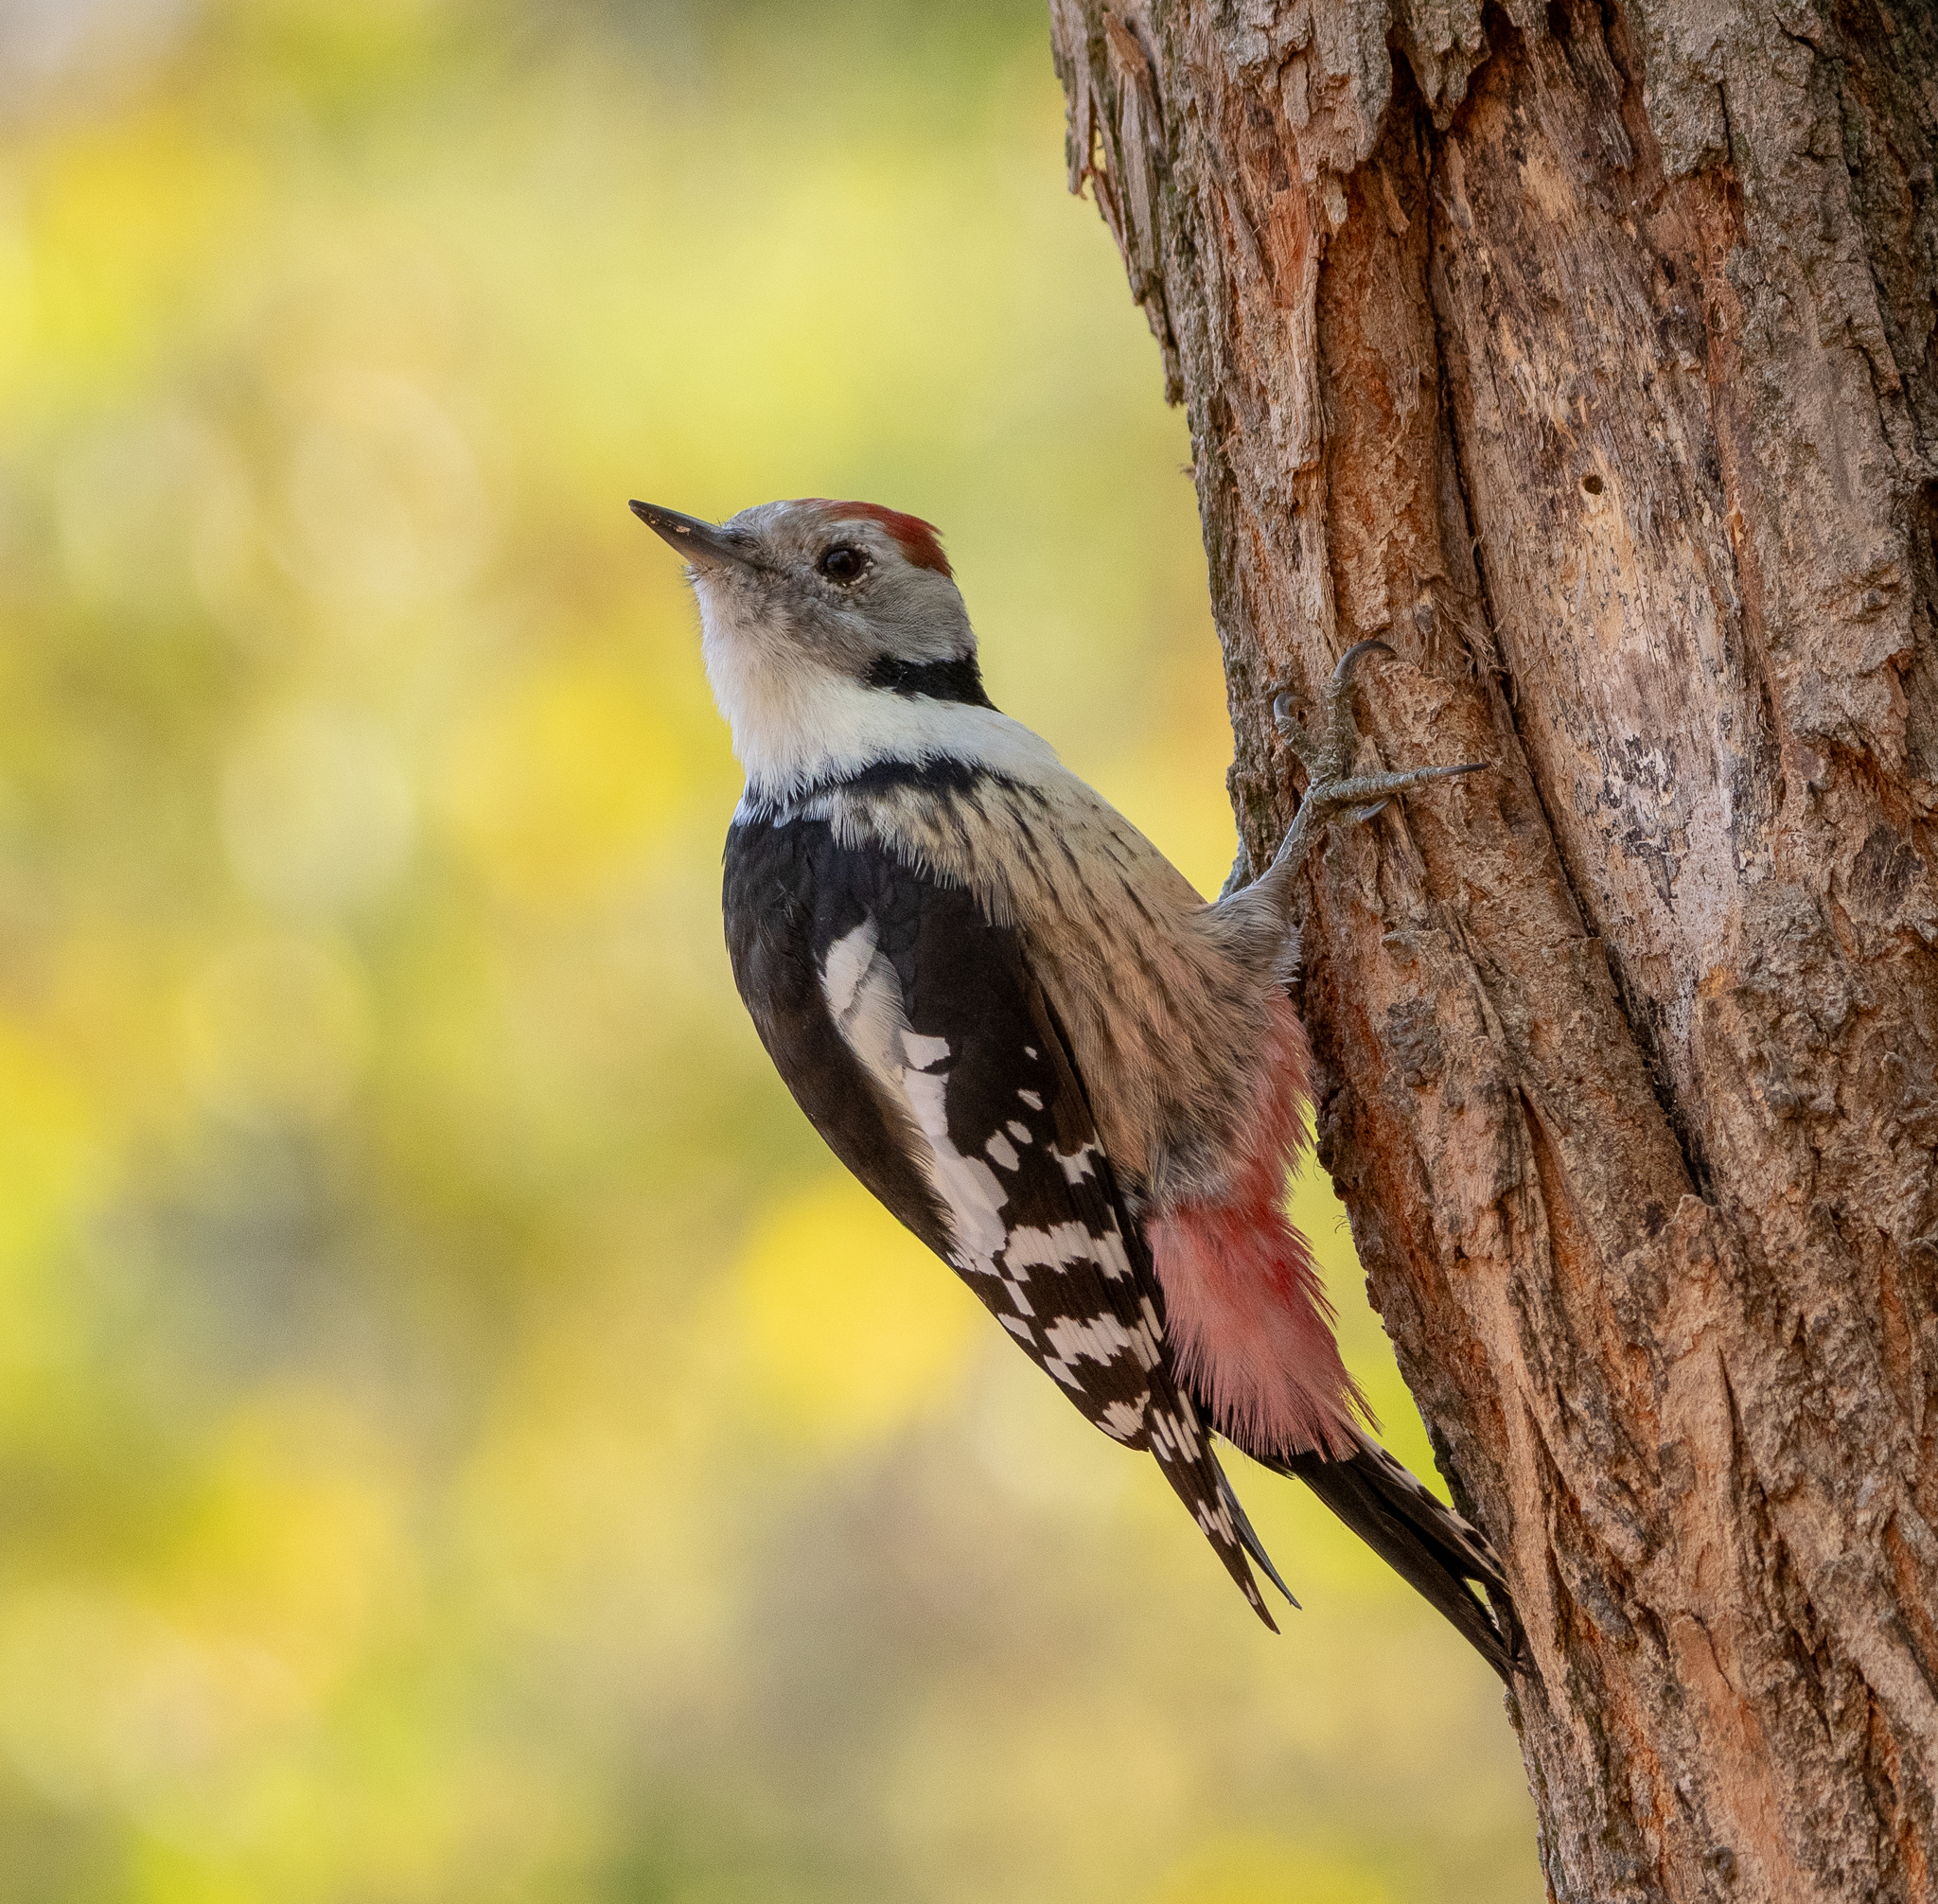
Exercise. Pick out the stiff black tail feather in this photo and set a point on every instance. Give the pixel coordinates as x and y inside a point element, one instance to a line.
<point>1249,1539</point>
<point>1423,1540</point>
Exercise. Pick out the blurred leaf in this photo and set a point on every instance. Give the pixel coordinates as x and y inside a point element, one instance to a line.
<point>853,1328</point>
<point>460,1436</point>
<point>1256,1872</point>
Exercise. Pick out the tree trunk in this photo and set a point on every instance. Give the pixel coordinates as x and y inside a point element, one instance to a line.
<point>1586,352</point>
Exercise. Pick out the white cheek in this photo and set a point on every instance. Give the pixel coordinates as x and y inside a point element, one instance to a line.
<point>796,720</point>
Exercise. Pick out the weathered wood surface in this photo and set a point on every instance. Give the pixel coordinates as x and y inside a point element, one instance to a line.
<point>1589,355</point>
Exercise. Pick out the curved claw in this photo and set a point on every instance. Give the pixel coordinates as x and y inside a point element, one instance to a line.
<point>1357,653</point>
<point>1339,735</point>
<point>1289,730</point>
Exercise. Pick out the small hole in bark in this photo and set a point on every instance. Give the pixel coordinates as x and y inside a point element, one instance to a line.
<point>1590,486</point>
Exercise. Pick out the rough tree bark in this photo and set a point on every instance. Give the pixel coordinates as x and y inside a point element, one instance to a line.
<point>1586,352</point>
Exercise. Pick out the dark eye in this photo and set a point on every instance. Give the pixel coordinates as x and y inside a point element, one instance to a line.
<point>842,563</point>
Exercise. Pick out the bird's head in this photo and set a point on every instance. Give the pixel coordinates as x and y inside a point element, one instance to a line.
<point>809,604</point>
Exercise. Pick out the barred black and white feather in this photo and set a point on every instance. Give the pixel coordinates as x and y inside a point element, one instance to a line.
<point>912,1032</point>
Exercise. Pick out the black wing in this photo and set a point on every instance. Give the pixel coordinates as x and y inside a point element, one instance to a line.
<point>912,1032</point>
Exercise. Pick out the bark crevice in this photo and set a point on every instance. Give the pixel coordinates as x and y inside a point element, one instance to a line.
<point>1641,1023</point>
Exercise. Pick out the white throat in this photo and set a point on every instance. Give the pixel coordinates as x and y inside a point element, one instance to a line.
<point>796,723</point>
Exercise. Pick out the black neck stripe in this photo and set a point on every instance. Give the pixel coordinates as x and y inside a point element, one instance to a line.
<point>957,681</point>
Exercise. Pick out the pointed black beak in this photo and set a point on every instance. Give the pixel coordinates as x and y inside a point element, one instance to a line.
<point>703,544</point>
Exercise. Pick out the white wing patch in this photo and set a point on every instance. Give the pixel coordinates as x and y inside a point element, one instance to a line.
<point>1056,1248</point>
<point>1177,1431</point>
<point>845,967</point>
<point>1077,1165</point>
<point>865,1000</point>
<point>967,1185</point>
<point>1067,1244</point>
<point>867,1011</point>
<point>1072,1341</point>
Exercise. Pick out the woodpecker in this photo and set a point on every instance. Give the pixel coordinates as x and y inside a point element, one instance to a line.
<point>1024,1031</point>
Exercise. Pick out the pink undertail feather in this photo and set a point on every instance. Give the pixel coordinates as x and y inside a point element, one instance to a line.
<point>1246,1315</point>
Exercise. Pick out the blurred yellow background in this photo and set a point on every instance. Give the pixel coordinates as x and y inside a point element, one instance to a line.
<point>460,1438</point>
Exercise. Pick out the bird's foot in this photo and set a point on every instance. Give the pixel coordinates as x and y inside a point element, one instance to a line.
<point>1333,790</point>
